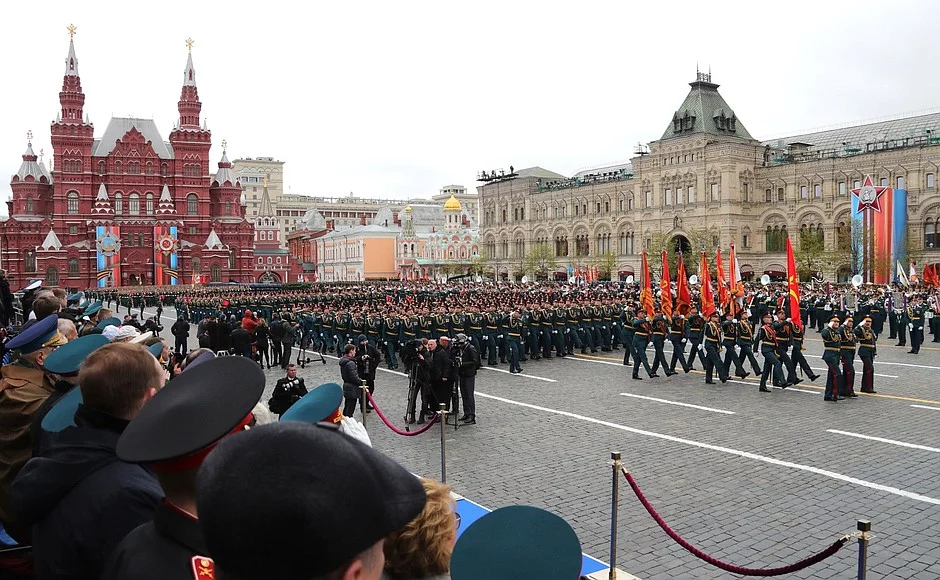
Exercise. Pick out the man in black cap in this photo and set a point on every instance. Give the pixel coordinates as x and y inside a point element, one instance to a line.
<point>352,498</point>
<point>77,496</point>
<point>24,387</point>
<point>173,435</point>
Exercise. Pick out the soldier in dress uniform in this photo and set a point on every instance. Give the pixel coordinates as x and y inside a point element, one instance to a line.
<point>798,336</point>
<point>867,350</point>
<point>660,330</point>
<point>678,337</point>
<point>746,344</point>
<point>729,333</point>
<point>784,329</point>
<point>711,346</point>
<point>832,345</point>
<point>915,313</point>
<point>847,354</point>
<point>766,341</point>
<point>642,330</point>
<point>695,327</point>
<point>172,435</point>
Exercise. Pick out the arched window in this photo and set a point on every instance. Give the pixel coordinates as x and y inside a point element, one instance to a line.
<point>215,273</point>
<point>29,205</point>
<point>164,169</point>
<point>117,167</point>
<point>769,239</point>
<point>930,234</point>
<point>149,204</point>
<point>269,259</point>
<point>118,203</point>
<point>30,261</point>
<point>133,167</point>
<point>228,208</point>
<point>192,204</point>
<point>73,266</point>
<point>278,260</point>
<point>101,167</point>
<point>231,259</point>
<point>261,260</point>
<point>72,202</point>
<point>133,204</point>
<point>149,168</point>
<point>52,276</point>
<point>197,265</point>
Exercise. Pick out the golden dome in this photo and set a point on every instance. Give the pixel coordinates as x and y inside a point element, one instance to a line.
<point>452,204</point>
<point>408,208</point>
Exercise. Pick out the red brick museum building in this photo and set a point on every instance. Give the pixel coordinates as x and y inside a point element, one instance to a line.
<point>128,208</point>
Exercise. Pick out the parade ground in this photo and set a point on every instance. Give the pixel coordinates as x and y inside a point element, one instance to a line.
<point>755,479</point>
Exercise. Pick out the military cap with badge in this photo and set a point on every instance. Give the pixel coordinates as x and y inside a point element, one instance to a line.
<point>41,334</point>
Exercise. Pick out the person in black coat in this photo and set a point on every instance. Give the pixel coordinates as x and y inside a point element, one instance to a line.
<point>352,384</point>
<point>6,299</point>
<point>262,336</point>
<point>367,358</point>
<point>277,335</point>
<point>291,330</point>
<point>77,496</point>
<point>241,342</point>
<point>180,330</point>
<point>441,376</point>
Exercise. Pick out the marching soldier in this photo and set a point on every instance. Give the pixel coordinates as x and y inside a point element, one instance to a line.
<point>783,327</point>
<point>695,326</point>
<point>916,325</point>
<point>847,354</point>
<point>626,336</point>
<point>711,346</point>
<point>832,345</point>
<point>660,330</point>
<point>867,350</point>
<point>746,344</point>
<point>766,340</point>
<point>903,319</point>
<point>513,325</point>
<point>678,338</point>
<point>797,357</point>
<point>729,331</point>
<point>642,330</point>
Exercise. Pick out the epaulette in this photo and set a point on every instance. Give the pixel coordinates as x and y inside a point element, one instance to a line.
<point>203,568</point>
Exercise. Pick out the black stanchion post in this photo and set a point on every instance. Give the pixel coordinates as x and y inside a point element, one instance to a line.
<point>864,535</point>
<point>363,402</point>
<point>443,413</point>
<point>616,468</point>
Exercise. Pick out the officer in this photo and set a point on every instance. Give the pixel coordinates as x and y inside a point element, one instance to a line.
<point>847,354</point>
<point>695,328</point>
<point>746,344</point>
<point>660,330</point>
<point>711,346</point>
<point>172,435</point>
<point>867,351</point>
<point>24,387</point>
<point>766,341</point>
<point>391,336</point>
<point>915,313</point>
<point>467,371</point>
<point>832,345</point>
<point>626,336</point>
<point>729,333</point>
<point>514,330</point>
<point>642,330</point>
<point>784,329</point>
<point>798,336</point>
<point>678,338</point>
<point>902,314</point>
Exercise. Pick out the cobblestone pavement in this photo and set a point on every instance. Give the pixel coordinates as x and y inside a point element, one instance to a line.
<point>757,479</point>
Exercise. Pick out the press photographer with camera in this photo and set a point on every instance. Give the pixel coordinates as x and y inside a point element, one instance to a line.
<point>367,360</point>
<point>417,361</point>
<point>287,391</point>
<point>467,360</point>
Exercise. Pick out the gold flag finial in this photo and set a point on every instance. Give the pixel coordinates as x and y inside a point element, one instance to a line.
<point>189,44</point>
<point>72,28</point>
<point>29,135</point>
<point>224,144</point>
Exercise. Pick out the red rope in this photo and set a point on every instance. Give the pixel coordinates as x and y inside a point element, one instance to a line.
<point>804,563</point>
<point>396,429</point>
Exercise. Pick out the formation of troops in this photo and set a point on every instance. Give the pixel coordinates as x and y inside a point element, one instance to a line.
<point>515,323</point>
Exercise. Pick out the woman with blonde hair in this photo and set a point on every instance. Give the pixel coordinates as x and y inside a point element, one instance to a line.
<point>421,550</point>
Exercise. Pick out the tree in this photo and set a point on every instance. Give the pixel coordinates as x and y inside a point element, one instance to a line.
<point>699,240</point>
<point>810,253</point>
<point>539,261</point>
<point>606,263</point>
<point>480,266</point>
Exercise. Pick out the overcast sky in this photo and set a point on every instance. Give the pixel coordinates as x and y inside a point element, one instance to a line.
<point>396,99</point>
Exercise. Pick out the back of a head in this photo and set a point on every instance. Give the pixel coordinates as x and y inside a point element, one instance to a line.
<point>287,534</point>
<point>61,295</point>
<point>45,304</point>
<point>118,378</point>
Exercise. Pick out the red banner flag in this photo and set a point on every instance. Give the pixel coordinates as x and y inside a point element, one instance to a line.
<point>793,287</point>
<point>683,296</point>
<point>646,293</point>
<point>708,297</point>
<point>665,297</point>
<point>723,297</point>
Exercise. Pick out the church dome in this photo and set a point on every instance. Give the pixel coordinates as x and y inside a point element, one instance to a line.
<point>452,204</point>
<point>408,209</point>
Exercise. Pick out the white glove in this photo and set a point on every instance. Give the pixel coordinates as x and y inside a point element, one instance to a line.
<point>910,327</point>
<point>789,320</point>
<point>354,429</point>
<point>499,336</point>
<point>685,340</point>
<point>554,332</point>
<point>734,320</point>
<point>701,347</point>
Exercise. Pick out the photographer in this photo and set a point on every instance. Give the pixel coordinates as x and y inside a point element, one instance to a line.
<point>442,374</point>
<point>367,360</point>
<point>351,381</point>
<point>287,391</point>
<point>152,325</point>
<point>180,331</point>
<point>468,363</point>
<point>415,356</point>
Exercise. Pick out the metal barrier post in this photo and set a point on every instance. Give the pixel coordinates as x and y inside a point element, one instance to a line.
<point>363,402</point>
<point>864,529</point>
<point>443,412</point>
<point>616,468</point>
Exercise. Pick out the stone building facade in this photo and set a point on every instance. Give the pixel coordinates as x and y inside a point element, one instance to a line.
<point>707,182</point>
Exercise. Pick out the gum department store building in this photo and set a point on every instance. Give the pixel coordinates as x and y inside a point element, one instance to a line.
<point>706,178</point>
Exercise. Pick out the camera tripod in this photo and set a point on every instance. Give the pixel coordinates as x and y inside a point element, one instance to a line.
<point>302,356</point>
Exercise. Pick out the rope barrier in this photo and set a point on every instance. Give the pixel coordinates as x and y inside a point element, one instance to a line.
<point>396,429</point>
<point>804,563</point>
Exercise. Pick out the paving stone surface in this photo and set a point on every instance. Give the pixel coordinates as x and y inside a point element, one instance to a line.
<point>762,487</point>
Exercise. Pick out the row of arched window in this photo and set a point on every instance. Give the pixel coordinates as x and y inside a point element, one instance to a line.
<point>133,167</point>
<point>776,238</point>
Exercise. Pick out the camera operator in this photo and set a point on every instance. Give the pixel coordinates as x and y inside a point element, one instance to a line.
<point>351,381</point>
<point>468,362</point>
<point>287,391</point>
<point>417,362</point>
<point>442,373</point>
<point>152,325</point>
<point>367,360</point>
